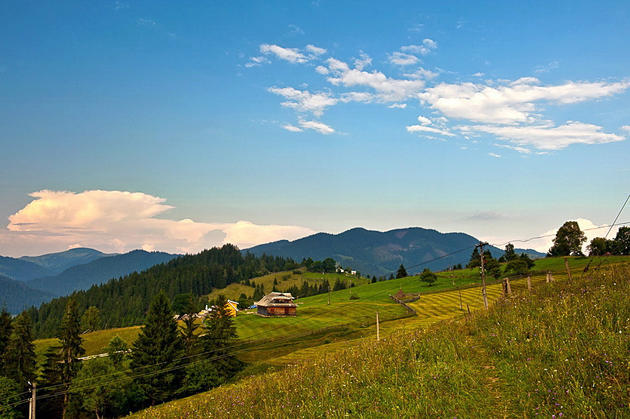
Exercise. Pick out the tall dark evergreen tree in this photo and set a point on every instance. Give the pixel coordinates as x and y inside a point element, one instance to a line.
<point>622,241</point>
<point>189,329</point>
<point>218,339</point>
<point>51,404</point>
<point>5,335</point>
<point>475,259</point>
<point>20,359</point>
<point>71,347</point>
<point>402,272</point>
<point>156,354</point>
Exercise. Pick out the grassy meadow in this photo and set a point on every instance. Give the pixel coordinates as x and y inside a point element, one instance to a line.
<point>561,351</point>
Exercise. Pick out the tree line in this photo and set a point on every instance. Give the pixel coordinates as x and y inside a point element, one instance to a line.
<point>124,301</point>
<point>166,361</point>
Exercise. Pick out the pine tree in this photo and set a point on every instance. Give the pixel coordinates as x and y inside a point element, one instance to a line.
<point>20,359</point>
<point>5,336</point>
<point>189,330</point>
<point>217,340</point>
<point>50,405</point>
<point>71,348</point>
<point>158,348</point>
<point>117,349</point>
<point>402,272</point>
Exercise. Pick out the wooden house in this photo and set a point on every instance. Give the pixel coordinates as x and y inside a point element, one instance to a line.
<point>277,304</point>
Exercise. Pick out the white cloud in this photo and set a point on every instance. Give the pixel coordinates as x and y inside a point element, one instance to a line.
<point>292,128</point>
<point>626,128</point>
<point>521,150</point>
<point>397,106</point>
<point>119,221</point>
<point>547,67</point>
<point>424,120</point>
<point>315,50</point>
<point>548,137</point>
<point>256,61</point>
<point>303,100</point>
<point>317,126</point>
<point>422,73</point>
<point>513,102</point>
<point>387,89</point>
<point>401,58</point>
<point>495,155</point>
<point>426,47</point>
<point>363,61</point>
<point>292,55</point>
<point>321,69</point>
<point>357,97</point>
<point>590,229</point>
<point>433,130</point>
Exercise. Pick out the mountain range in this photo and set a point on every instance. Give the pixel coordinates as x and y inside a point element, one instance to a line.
<point>31,280</point>
<point>381,253</point>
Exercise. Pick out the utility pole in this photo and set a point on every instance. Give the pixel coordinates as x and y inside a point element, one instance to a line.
<point>378,328</point>
<point>31,405</point>
<point>483,276</point>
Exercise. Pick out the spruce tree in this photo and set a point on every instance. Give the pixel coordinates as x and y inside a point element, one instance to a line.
<point>156,354</point>
<point>189,329</point>
<point>5,335</point>
<point>71,348</point>
<point>218,338</point>
<point>20,360</point>
<point>402,272</point>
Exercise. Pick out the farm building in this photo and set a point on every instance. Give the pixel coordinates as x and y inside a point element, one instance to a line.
<point>231,307</point>
<point>277,304</point>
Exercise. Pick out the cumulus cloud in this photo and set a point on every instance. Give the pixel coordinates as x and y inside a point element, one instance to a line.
<point>401,58</point>
<point>363,61</point>
<point>256,61</point>
<point>513,102</point>
<point>386,89</point>
<point>426,47</point>
<point>432,130</point>
<point>397,106</point>
<point>495,155</point>
<point>292,55</point>
<point>292,128</point>
<point>590,229</point>
<point>315,50</point>
<point>119,221</point>
<point>317,126</point>
<point>303,100</point>
<point>548,137</point>
<point>422,73</point>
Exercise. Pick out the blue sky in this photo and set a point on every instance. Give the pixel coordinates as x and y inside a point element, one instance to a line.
<point>501,121</point>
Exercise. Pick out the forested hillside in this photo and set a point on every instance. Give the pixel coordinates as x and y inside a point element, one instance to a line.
<point>82,277</point>
<point>380,253</point>
<point>124,301</point>
<point>16,296</point>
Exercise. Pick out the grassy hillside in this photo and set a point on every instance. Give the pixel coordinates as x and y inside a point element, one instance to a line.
<point>285,280</point>
<point>279,341</point>
<point>560,351</point>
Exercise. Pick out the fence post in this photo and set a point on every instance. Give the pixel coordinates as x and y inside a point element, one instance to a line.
<point>529,283</point>
<point>378,329</point>
<point>509,288</point>
<point>566,265</point>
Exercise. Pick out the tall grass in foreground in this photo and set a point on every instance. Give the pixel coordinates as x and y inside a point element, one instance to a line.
<point>561,352</point>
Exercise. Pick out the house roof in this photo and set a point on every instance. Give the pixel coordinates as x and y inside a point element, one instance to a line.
<point>277,299</point>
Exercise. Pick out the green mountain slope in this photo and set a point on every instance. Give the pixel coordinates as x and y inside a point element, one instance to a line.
<point>380,253</point>
<point>21,270</point>
<point>60,261</point>
<point>17,296</point>
<point>103,269</point>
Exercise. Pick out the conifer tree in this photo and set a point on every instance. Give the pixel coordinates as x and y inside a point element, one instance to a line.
<point>5,335</point>
<point>71,347</point>
<point>158,348</point>
<point>402,272</point>
<point>189,329</point>
<point>20,359</point>
<point>50,405</point>
<point>219,335</point>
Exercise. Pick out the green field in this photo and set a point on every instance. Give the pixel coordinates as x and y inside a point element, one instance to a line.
<point>285,280</point>
<point>560,351</point>
<point>273,340</point>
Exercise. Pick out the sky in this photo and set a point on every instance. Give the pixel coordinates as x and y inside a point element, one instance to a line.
<point>179,126</point>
